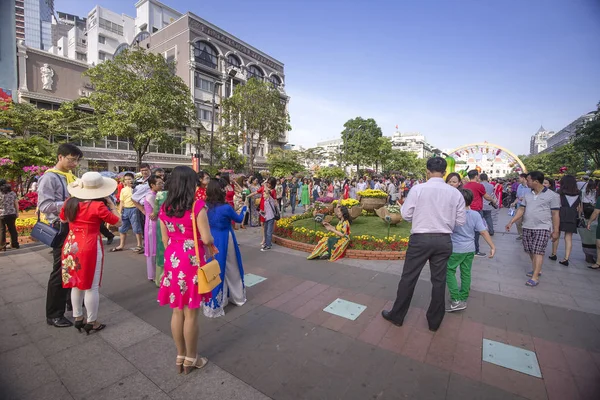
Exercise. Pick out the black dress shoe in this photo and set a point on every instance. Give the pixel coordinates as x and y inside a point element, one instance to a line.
<point>386,315</point>
<point>110,240</point>
<point>60,322</point>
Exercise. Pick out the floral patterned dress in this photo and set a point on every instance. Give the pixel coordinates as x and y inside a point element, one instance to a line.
<point>80,250</point>
<point>179,285</point>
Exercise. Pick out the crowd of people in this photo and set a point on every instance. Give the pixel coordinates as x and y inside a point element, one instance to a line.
<point>185,219</point>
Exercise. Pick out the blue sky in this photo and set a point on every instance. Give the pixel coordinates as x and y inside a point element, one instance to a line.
<point>458,71</point>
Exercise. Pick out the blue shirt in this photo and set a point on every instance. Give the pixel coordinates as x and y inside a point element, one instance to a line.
<point>521,191</point>
<point>463,236</point>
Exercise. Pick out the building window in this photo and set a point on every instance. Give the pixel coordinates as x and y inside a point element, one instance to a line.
<point>204,115</point>
<point>81,56</point>
<point>233,61</point>
<point>275,81</point>
<point>140,37</point>
<point>101,56</point>
<point>204,84</point>
<point>120,49</point>
<point>101,39</point>
<point>204,54</point>
<point>255,72</point>
<point>111,26</point>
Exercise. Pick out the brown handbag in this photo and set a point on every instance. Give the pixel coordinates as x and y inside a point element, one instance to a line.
<point>209,274</point>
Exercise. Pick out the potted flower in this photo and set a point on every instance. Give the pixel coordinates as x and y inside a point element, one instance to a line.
<point>390,214</point>
<point>325,202</point>
<point>372,199</point>
<point>354,207</point>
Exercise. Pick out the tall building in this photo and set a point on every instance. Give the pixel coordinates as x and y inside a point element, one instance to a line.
<point>62,23</point>
<point>209,60</point>
<point>34,22</point>
<point>8,50</point>
<point>539,140</point>
<point>414,143</point>
<point>566,134</point>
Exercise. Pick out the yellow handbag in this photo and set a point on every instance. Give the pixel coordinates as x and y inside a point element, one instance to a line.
<point>209,274</point>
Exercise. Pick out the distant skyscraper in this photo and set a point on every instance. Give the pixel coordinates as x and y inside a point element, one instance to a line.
<point>34,22</point>
<point>539,141</point>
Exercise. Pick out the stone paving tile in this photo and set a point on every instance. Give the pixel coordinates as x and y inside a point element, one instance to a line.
<point>513,381</point>
<point>99,366</point>
<point>212,382</point>
<point>23,292</point>
<point>461,388</point>
<point>49,391</point>
<point>126,330</point>
<point>589,389</point>
<point>24,370</point>
<point>441,352</point>
<point>467,361</point>
<point>133,386</point>
<point>417,345</point>
<point>580,362</point>
<point>560,385</point>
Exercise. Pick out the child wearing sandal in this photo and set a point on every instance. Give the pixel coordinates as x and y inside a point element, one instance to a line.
<point>463,252</point>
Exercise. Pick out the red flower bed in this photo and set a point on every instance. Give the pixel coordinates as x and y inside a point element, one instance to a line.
<point>28,202</point>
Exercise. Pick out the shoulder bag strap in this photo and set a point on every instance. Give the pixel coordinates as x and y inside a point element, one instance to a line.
<point>195,229</point>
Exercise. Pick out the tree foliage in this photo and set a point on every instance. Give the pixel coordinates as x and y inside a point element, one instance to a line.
<point>331,173</point>
<point>587,139</point>
<point>284,162</point>
<point>401,161</point>
<point>550,163</point>
<point>138,98</point>
<point>257,111</point>
<point>25,152</point>
<point>383,152</point>
<point>24,119</point>
<point>312,156</point>
<point>361,141</point>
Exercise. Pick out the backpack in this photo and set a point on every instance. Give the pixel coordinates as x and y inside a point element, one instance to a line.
<point>568,214</point>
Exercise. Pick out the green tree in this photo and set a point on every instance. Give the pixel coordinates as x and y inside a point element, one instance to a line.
<point>284,162</point>
<point>550,163</point>
<point>587,138</point>
<point>403,161</point>
<point>312,156</point>
<point>25,152</point>
<point>139,99</point>
<point>331,173</point>
<point>257,111</point>
<point>361,141</point>
<point>383,152</point>
<point>24,119</point>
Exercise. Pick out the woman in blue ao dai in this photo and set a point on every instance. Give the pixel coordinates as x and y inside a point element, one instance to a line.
<point>220,216</point>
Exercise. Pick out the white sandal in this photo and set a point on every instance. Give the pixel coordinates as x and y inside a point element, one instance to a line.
<point>179,363</point>
<point>194,364</point>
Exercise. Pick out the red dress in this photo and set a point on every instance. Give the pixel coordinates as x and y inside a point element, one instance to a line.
<point>346,192</point>
<point>200,193</point>
<point>80,249</point>
<point>262,200</point>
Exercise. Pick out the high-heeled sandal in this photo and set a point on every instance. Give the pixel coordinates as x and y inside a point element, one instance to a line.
<point>79,324</point>
<point>564,262</point>
<point>90,328</point>
<point>194,364</point>
<point>179,363</point>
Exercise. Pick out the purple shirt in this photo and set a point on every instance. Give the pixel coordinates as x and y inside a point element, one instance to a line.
<point>434,207</point>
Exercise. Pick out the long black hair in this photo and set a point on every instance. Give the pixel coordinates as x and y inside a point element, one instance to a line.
<point>201,175</point>
<point>568,186</point>
<point>72,207</point>
<point>345,213</point>
<point>182,188</point>
<point>215,193</point>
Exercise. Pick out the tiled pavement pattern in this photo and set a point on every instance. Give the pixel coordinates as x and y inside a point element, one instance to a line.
<point>282,345</point>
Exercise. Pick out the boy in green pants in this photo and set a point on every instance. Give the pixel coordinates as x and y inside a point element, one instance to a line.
<point>463,251</point>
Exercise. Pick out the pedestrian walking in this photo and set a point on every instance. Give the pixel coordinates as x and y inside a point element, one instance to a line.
<point>52,193</point>
<point>434,208</point>
<point>569,213</point>
<point>539,211</point>
<point>9,212</point>
<point>293,189</point>
<point>88,207</point>
<point>489,206</point>
<point>519,189</point>
<point>130,217</point>
<point>150,227</point>
<point>479,195</point>
<point>463,252</point>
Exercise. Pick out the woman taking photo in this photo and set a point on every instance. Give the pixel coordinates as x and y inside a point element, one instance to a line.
<point>220,216</point>
<point>570,209</point>
<point>9,212</point>
<point>179,285</point>
<point>333,248</point>
<point>88,207</point>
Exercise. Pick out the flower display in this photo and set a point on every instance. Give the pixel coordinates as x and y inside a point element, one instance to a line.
<point>28,202</point>
<point>25,225</point>
<point>347,203</point>
<point>6,161</point>
<point>325,200</point>
<point>285,228</point>
<point>393,209</point>
<point>371,193</point>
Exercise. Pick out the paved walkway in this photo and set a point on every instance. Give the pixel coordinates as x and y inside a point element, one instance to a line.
<point>282,345</point>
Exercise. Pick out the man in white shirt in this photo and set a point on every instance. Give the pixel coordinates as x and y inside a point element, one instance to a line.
<point>434,208</point>
<point>361,185</point>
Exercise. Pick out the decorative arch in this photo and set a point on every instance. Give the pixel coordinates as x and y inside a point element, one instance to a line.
<point>234,55</point>
<point>484,148</point>
<point>140,37</point>
<point>208,42</point>
<point>122,47</point>
<point>274,77</point>
<point>254,71</point>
